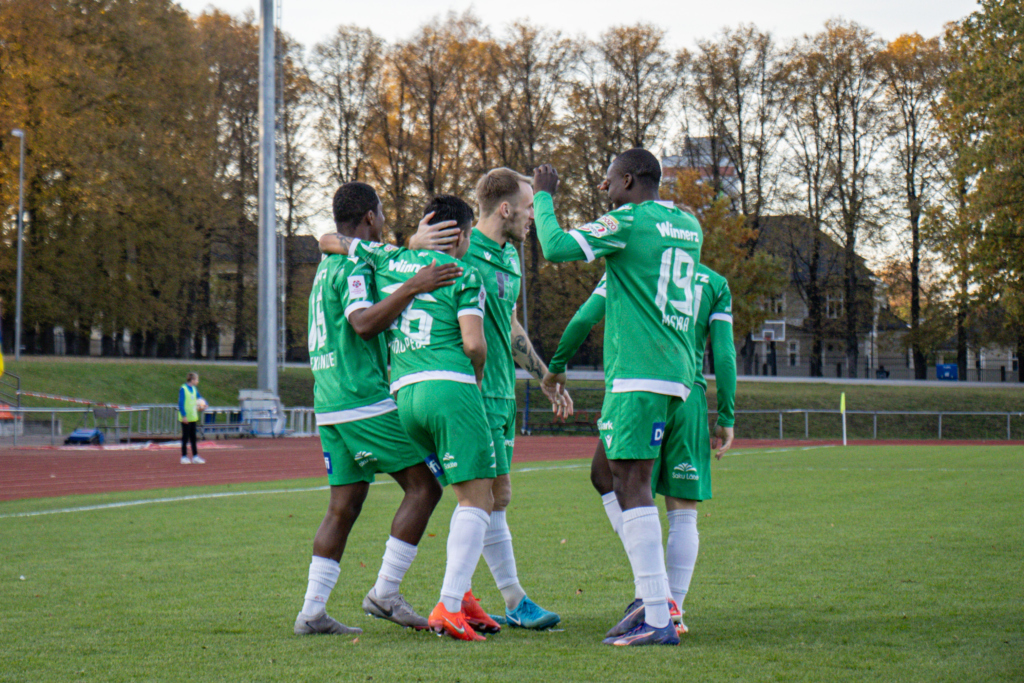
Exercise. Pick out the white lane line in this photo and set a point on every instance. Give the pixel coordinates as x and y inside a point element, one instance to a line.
<point>226,494</point>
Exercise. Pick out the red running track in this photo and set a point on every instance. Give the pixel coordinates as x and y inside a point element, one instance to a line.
<point>49,472</point>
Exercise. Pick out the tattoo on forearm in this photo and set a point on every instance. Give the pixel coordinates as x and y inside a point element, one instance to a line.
<point>526,357</point>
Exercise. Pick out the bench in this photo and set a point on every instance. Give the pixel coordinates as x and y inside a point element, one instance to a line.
<point>218,429</point>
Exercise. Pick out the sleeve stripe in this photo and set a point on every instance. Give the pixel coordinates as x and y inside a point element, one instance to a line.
<point>601,291</point>
<point>471,311</point>
<point>355,306</point>
<point>352,246</point>
<point>582,241</point>
<point>724,317</point>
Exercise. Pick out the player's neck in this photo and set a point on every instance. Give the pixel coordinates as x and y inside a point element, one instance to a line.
<point>493,227</point>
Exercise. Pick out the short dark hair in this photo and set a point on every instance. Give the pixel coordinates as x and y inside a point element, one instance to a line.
<point>448,207</point>
<point>352,201</point>
<point>640,164</point>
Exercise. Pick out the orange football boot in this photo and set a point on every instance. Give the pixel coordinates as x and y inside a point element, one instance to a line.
<point>442,621</point>
<point>476,616</point>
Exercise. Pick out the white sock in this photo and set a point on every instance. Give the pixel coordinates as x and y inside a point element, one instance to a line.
<point>398,556</point>
<point>502,561</point>
<point>642,530</point>
<point>681,555</point>
<point>614,512</point>
<point>323,575</point>
<point>465,543</point>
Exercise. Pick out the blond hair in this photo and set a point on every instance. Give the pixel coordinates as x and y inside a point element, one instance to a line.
<point>497,186</point>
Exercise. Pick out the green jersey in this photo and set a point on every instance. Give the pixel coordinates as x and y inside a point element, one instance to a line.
<point>499,268</point>
<point>714,318</point>
<point>349,373</point>
<point>651,253</point>
<point>426,340</point>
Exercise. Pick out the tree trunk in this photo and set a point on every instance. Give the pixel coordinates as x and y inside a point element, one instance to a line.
<point>961,341</point>
<point>920,364</point>
<point>1020,358</point>
<point>850,301</point>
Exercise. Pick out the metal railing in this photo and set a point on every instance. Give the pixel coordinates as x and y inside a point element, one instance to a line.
<point>42,425</point>
<point>909,423</point>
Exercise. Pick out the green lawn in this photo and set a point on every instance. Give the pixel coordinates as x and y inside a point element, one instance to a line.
<point>856,564</point>
<point>139,382</point>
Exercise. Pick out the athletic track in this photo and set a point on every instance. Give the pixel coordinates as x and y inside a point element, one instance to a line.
<point>48,472</point>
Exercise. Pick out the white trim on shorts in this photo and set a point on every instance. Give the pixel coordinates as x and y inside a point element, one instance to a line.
<point>427,375</point>
<point>353,414</point>
<point>653,386</point>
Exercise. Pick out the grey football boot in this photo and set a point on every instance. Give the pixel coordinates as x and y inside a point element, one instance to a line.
<point>323,624</point>
<point>394,609</point>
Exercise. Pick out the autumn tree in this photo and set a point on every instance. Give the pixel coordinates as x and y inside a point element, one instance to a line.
<point>913,71</point>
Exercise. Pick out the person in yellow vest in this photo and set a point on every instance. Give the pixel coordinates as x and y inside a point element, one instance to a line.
<point>190,402</point>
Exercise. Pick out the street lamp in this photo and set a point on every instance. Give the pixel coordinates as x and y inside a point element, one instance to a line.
<point>19,133</point>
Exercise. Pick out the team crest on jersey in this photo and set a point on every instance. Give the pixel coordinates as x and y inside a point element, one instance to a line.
<point>357,287</point>
<point>605,225</point>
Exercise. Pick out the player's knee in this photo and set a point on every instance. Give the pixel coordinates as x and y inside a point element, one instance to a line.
<point>602,480</point>
<point>345,508</point>
<point>502,491</point>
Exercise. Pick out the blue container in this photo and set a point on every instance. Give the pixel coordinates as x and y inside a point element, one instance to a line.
<point>947,371</point>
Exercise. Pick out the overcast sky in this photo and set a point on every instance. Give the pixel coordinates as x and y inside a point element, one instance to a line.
<point>311,20</point>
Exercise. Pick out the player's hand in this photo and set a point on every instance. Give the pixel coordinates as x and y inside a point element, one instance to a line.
<point>545,179</point>
<point>434,277</point>
<point>725,434</point>
<point>330,244</point>
<point>184,420</point>
<point>553,386</point>
<point>435,236</point>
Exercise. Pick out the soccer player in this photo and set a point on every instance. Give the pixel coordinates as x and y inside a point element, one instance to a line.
<point>683,473</point>
<point>651,251</point>
<point>438,353</point>
<point>505,199</point>
<point>358,420</point>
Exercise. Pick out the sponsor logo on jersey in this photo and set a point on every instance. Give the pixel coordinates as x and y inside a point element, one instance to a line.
<point>357,287</point>
<point>608,441</point>
<point>322,362</point>
<point>605,225</point>
<point>487,256</point>
<point>685,471</point>
<point>604,425</point>
<point>327,462</point>
<point>509,443</point>
<point>668,230</point>
<point>404,266</point>
<point>448,461</point>
<point>390,247</point>
<point>404,344</point>
<point>657,433</point>
<point>364,458</point>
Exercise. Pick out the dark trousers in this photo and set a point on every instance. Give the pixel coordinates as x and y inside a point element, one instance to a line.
<point>188,433</point>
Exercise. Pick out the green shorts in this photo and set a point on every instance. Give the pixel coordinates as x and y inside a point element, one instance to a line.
<point>355,451</point>
<point>632,424</point>
<point>447,418</point>
<point>501,419</point>
<point>684,469</point>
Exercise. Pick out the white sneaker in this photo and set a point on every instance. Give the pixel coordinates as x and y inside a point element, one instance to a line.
<point>198,459</point>
<point>185,460</point>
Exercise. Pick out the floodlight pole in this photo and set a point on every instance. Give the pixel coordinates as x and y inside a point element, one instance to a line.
<point>20,134</point>
<point>266,350</point>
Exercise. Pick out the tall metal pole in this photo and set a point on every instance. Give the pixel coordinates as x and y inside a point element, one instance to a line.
<point>19,133</point>
<point>266,354</point>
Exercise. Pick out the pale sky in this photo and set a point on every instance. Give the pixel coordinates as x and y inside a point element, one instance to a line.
<point>310,21</point>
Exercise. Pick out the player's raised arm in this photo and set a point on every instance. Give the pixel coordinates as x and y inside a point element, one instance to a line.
<point>589,314</point>
<point>724,350</point>
<point>526,357</point>
<point>371,321</point>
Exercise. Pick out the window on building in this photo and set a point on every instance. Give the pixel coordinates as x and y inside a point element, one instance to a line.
<point>775,306</point>
<point>794,353</point>
<point>834,305</point>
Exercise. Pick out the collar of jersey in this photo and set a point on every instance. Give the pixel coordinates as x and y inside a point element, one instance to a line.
<point>486,242</point>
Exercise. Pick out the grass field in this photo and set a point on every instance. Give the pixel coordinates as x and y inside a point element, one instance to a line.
<point>140,382</point>
<point>817,564</point>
